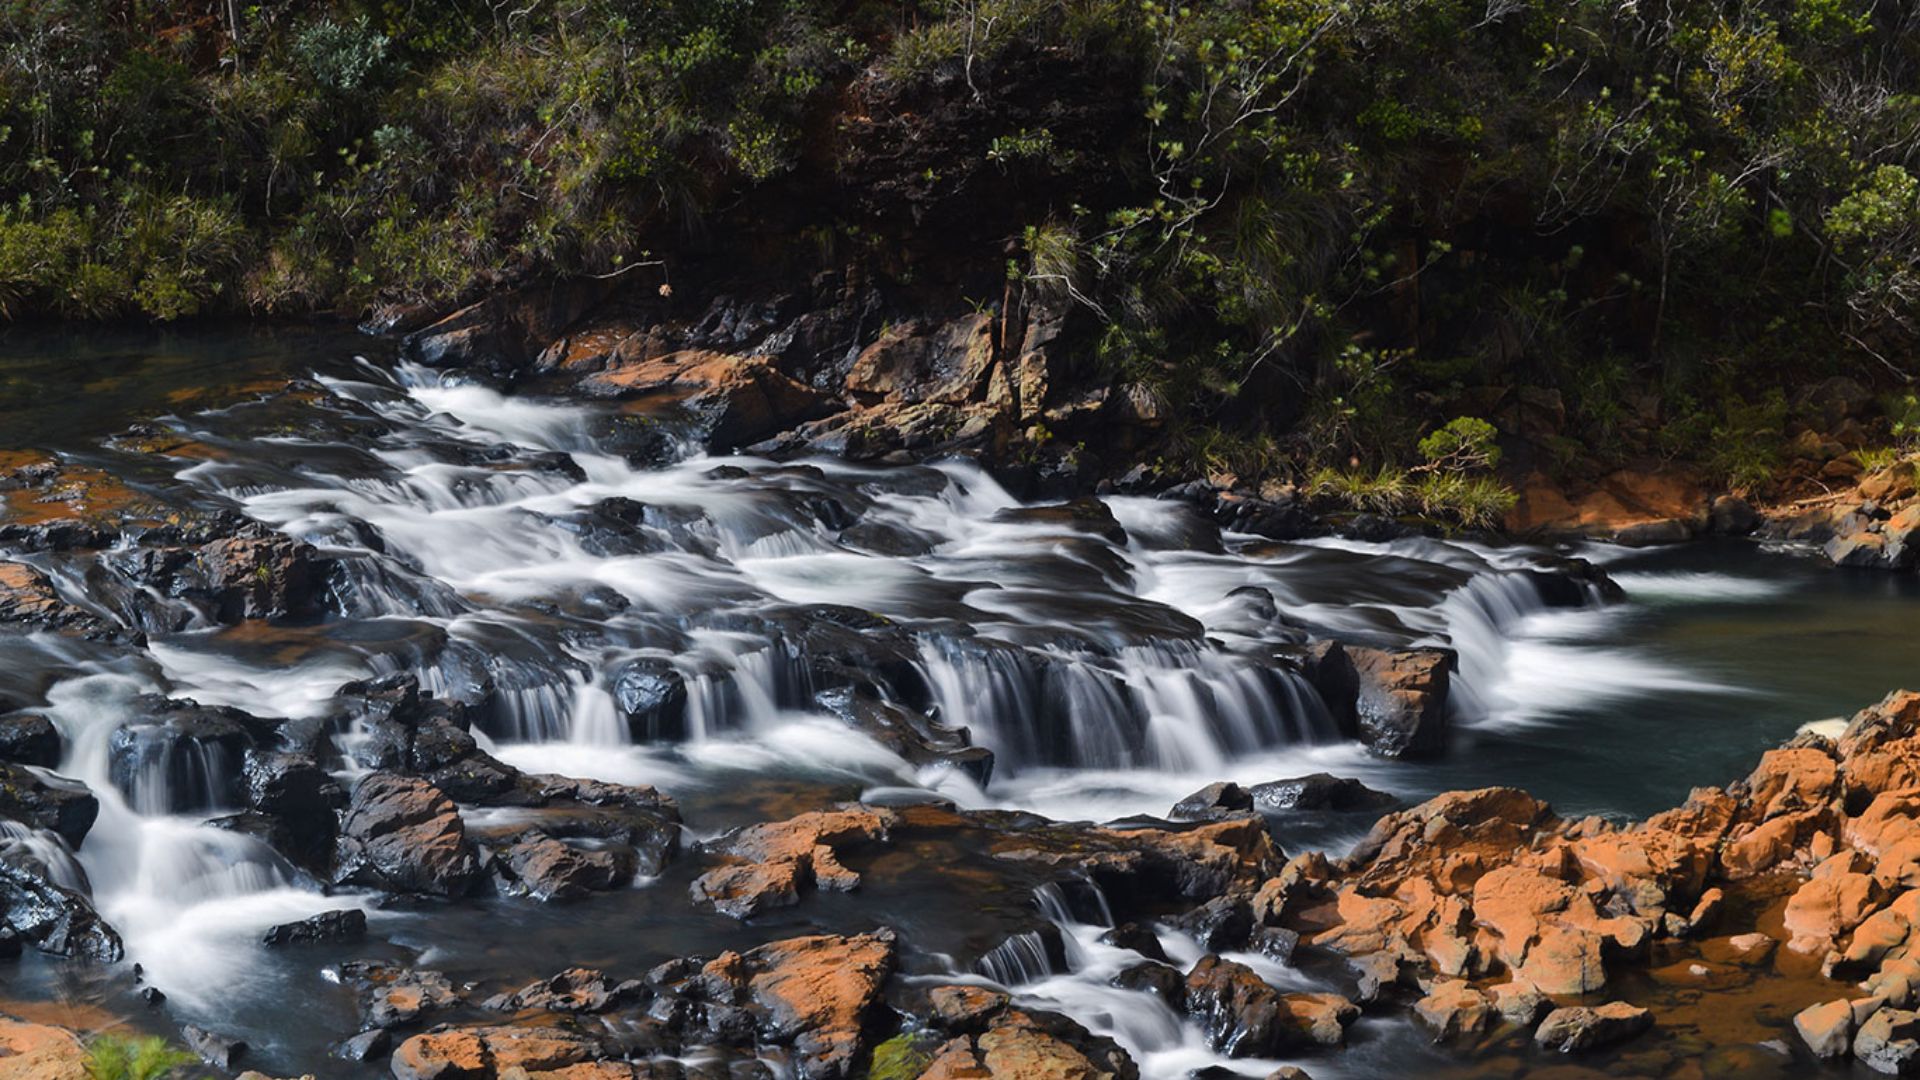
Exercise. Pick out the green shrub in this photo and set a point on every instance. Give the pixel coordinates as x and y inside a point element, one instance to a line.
<point>122,1057</point>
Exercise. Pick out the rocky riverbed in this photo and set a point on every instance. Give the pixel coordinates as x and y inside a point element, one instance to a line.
<point>367,724</point>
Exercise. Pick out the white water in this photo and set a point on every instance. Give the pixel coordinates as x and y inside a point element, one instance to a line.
<point>1108,679</point>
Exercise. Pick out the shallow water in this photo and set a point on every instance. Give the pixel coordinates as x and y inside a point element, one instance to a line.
<point>1110,675</point>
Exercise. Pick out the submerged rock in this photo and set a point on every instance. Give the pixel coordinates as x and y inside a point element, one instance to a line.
<point>1581,1028</point>
<point>329,926</point>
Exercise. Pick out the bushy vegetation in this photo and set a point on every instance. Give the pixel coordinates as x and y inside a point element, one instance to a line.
<point>1314,227</point>
<point>121,1057</point>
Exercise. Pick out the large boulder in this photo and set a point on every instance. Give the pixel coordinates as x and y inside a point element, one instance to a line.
<point>181,756</point>
<point>303,799</point>
<point>29,739</point>
<point>1401,703</point>
<point>1889,1042</point>
<point>1242,1016</point>
<point>652,698</point>
<point>47,801</point>
<point>403,834</point>
<point>818,994</point>
<point>56,919</point>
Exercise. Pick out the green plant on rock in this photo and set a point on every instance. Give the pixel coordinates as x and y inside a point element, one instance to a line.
<point>123,1057</point>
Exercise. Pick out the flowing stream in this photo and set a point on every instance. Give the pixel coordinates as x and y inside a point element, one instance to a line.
<point>529,555</point>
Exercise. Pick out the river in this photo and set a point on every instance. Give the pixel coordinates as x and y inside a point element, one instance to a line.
<point>464,521</point>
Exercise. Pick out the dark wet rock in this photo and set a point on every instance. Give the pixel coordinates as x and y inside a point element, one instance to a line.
<point>1329,668</point>
<point>1212,801</point>
<point>414,733</point>
<point>652,698</point>
<point>47,801</point>
<point>365,1046</point>
<point>550,870</point>
<point>404,835</point>
<point>1317,791</point>
<point>915,738</point>
<point>29,601</point>
<point>12,942</point>
<point>181,756</point>
<point>1139,938</point>
<point>1572,1030</point>
<point>1275,519</point>
<point>219,1051</point>
<point>57,920</point>
<point>1025,956</point>
<point>1731,515</point>
<point>1220,924</point>
<point>29,739</point>
<point>576,990</point>
<point>294,789</point>
<point>152,996</point>
<point>349,924</point>
<point>1155,977</point>
<point>1401,706</point>
<point>1244,1017</point>
<point>1859,549</point>
<point>502,334</point>
<point>1090,516</point>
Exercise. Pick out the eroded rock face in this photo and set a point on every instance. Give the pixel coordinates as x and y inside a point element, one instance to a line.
<point>402,834</point>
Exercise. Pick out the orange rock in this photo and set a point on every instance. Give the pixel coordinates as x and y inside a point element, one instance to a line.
<point>1566,960</point>
<point>1512,902</point>
<point>443,1054</point>
<point>1827,906</point>
<point>779,857</point>
<point>40,1052</point>
<point>1454,1009</point>
<point>1887,821</point>
<point>817,991</point>
<point>1770,845</point>
<point>1791,780</point>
